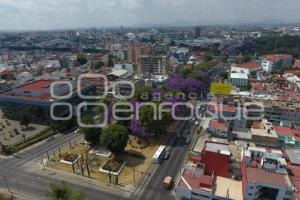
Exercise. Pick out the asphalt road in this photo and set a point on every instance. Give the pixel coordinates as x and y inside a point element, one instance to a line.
<point>151,188</point>
<point>22,182</point>
<point>26,183</point>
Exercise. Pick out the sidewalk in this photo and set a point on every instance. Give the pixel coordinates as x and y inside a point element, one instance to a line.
<point>77,179</point>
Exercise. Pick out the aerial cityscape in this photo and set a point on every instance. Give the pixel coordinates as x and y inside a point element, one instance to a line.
<point>149,100</point>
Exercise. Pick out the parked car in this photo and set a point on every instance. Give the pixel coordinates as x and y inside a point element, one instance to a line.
<point>196,123</point>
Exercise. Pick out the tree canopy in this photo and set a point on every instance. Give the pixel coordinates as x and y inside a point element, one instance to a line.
<point>142,93</point>
<point>91,135</point>
<point>24,120</point>
<point>81,58</point>
<point>115,137</point>
<point>62,191</point>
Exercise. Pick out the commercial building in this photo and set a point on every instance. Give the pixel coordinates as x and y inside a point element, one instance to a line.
<point>34,100</point>
<point>239,79</point>
<point>135,51</point>
<point>264,175</point>
<point>153,65</point>
<point>278,112</point>
<point>275,62</point>
<point>213,153</point>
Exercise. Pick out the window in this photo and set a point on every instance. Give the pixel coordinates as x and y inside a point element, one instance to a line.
<point>250,194</point>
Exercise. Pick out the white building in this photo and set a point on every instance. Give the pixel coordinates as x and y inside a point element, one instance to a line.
<point>264,175</point>
<point>239,79</point>
<point>275,62</point>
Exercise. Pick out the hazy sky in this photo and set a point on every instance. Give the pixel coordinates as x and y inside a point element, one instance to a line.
<point>50,14</point>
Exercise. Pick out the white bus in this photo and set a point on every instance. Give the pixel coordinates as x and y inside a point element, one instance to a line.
<point>159,154</point>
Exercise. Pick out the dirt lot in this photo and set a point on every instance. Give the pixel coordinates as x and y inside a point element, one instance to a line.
<point>138,156</point>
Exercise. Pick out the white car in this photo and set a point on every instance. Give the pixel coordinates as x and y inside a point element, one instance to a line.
<point>196,123</point>
<point>76,131</point>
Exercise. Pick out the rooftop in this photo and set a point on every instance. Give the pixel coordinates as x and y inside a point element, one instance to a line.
<point>260,176</point>
<point>276,57</point>
<point>293,155</point>
<point>250,65</point>
<point>285,131</point>
<point>216,124</point>
<point>222,108</point>
<point>228,188</point>
<point>238,75</point>
<point>217,148</point>
<point>193,178</point>
<point>36,85</point>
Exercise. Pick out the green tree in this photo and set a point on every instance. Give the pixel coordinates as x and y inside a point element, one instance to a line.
<point>196,76</point>
<point>115,137</point>
<point>24,120</point>
<point>208,58</point>
<point>151,124</point>
<point>81,58</point>
<point>110,61</point>
<point>91,135</point>
<point>185,72</point>
<point>98,65</point>
<point>99,109</point>
<point>142,93</point>
<point>224,75</point>
<point>62,191</point>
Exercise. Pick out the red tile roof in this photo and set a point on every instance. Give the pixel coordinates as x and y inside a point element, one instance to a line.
<point>257,85</point>
<point>295,178</point>
<point>222,108</point>
<point>197,180</point>
<point>284,131</point>
<point>217,124</point>
<point>36,86</point>
<point>255,175</point>
<point>276,57</point>
<point>250,65</point>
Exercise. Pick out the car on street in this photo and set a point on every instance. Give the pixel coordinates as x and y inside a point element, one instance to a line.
<point>188,140</point>
<point>167,155</point>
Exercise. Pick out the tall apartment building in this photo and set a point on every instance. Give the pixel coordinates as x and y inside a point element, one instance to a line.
<point>154,65</point>
<point>134,51</point>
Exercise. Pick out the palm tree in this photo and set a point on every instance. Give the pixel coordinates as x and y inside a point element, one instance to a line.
<point>62,191</point>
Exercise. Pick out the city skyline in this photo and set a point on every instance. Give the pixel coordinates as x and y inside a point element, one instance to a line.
<point>67,14</point>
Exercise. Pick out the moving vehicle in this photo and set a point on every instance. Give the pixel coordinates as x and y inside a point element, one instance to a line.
<point>168,182</point>
<point>167,155</point>
<point>188,140</point>
<point>159,154</point>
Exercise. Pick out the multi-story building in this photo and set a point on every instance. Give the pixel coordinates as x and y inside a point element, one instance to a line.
<point>275,62</point>
<point>134,51</point>
<point>239,79</point>
<point>264,175</point>
<point>154,65</point>
<point>277,112</point>
<point>35,100</point>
